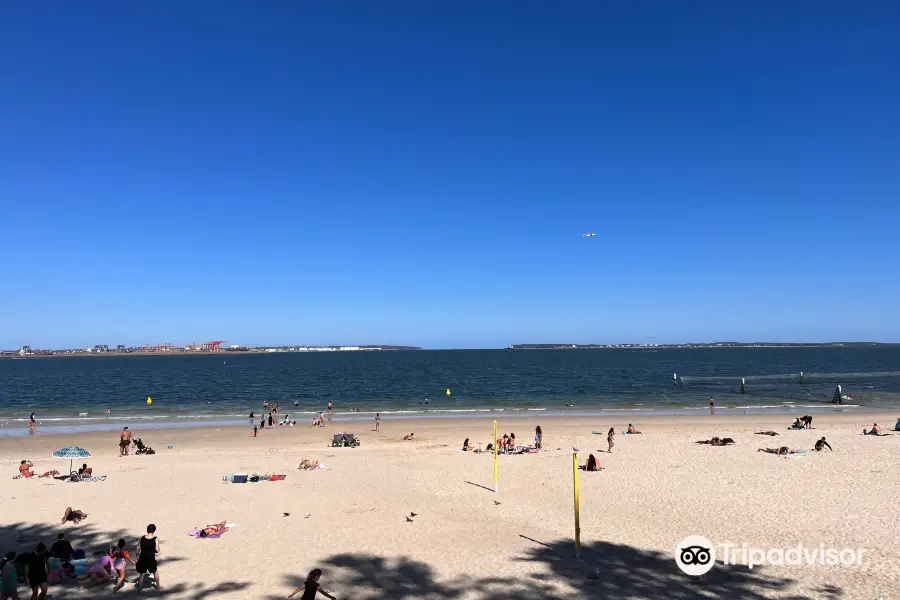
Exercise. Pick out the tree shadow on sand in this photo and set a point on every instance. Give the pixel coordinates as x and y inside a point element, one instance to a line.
<point>24,537</point>
<point>612,571</point>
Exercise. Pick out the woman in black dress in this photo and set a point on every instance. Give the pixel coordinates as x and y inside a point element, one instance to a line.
<point>36,571</point>
<point>311,586</point>
<point>148,548</point>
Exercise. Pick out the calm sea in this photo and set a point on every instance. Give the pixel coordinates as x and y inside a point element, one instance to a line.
<point>74,392</point>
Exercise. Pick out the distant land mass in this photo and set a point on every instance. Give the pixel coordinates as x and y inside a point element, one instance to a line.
<point>190,349</point>
<point>703,345</point>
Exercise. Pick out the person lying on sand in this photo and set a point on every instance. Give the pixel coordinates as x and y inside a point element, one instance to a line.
<point>779,451</point>
<point>822,444</point>
<point>716,441</point>
<point>76,516</point>
<point>632,430</point>
<point>217,529</point>
<point>766,433</point>
<point>408,437</point>
<point>308,465</point>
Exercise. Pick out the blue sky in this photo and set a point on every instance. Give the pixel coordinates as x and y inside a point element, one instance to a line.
<point>421,173</point>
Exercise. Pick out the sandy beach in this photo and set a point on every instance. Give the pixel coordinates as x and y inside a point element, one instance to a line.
<point>351,518</point>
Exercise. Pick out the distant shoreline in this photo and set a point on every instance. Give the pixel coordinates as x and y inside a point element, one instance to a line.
<point>702,345</point>
<point>62,354</point>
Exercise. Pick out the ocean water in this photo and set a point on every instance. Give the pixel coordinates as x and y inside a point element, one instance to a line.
<point>69,393</point>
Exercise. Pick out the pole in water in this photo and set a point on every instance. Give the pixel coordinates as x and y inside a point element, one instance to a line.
<point>742,385</point>
<point>577,520</point>
<point>675,379</point>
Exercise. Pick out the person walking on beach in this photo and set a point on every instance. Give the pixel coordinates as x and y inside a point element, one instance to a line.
<point>538,437</point>
<point>378,421</point>
<point>609,438</point>
<point>271,421</point>
<point>712,406</point>
<point>31,420</point>
<point>311,587</point>
<point>148,548</point>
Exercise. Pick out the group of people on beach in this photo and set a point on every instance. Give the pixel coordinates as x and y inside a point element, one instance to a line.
<point>61,562</point>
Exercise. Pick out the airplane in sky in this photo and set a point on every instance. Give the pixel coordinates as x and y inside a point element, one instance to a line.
<point>588,234</point>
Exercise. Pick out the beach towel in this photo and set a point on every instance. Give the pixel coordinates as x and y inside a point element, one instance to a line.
<point>88,479</point>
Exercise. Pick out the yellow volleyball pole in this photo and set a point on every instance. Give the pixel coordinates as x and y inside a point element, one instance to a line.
<point>577,520</point>
<point>496,463</point>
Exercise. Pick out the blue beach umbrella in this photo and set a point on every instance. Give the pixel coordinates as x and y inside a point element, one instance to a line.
<point>72,452</point>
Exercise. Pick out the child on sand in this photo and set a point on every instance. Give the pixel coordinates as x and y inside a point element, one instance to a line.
<point>119,559</point>
<point>101,571</point>
<point>609,438</point>
<point>311,587</point>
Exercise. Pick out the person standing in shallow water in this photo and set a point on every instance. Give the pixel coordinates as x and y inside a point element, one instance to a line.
<point>378,421</point>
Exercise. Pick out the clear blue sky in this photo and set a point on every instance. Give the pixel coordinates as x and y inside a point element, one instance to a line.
<point>422,172</point>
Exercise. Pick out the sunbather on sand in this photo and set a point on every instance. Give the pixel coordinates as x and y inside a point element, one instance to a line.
<point>217,529</point>
<point>766,433</point>
<point>25,469</point>
<point>308,465</point>
<point>716,441</point>
<point>632,430</point>
<point>592,464</point>
<point>779,451</point>
<point>876,430</point>
<point>76,516</point>
<point>408,437</point>
<point>822,444</point>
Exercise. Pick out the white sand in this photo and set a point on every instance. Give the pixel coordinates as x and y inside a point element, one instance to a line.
<point>655,489</point>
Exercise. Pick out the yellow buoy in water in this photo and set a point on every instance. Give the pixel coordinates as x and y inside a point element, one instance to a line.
<point>149,400</point>
<point>448,391</point>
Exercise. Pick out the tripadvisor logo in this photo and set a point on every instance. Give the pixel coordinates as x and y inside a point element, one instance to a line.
<point>695,555</point>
